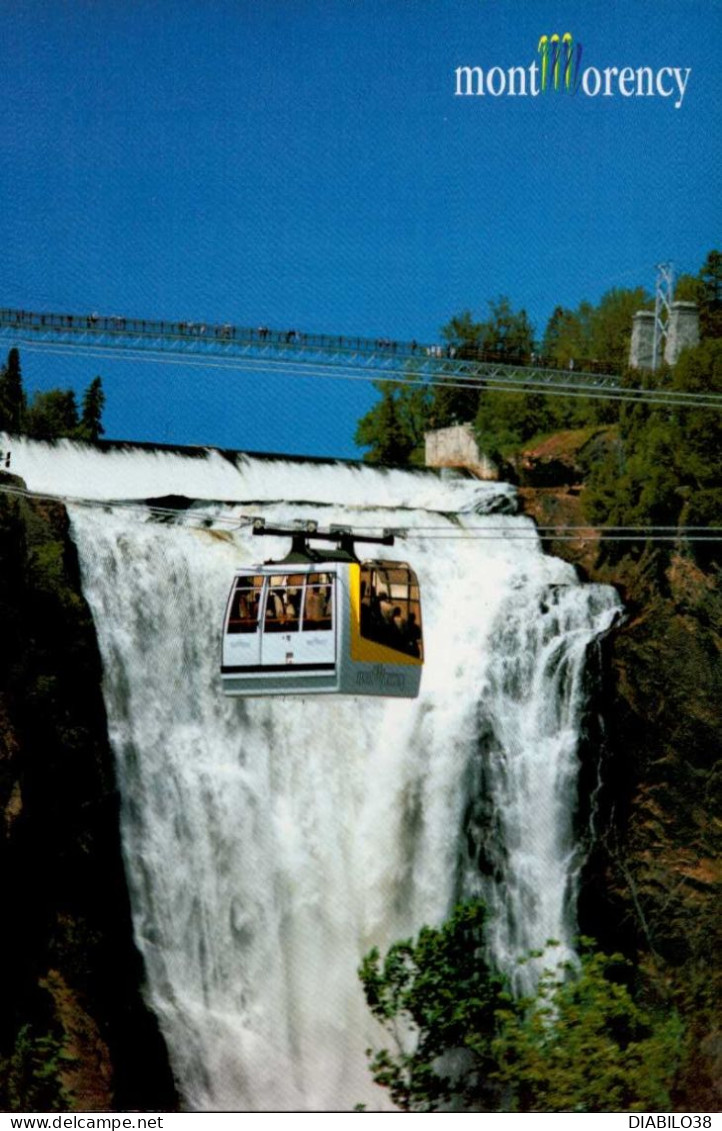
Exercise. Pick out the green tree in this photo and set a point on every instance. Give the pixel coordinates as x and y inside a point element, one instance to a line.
<point>463,334</point>
<point>710,296</point>
<point>611,324</point>
<point>704,288</point>
<point>506,421</point>
<point>450,403</point>
<point>462,1043</point>
<point>667,467</point>
<point>599,333</point>
<point>52,414</point>
<point>583,1044</point>
<point>12,394</point>
<point>507,332</point>
<point>504,331</point>
<point>91,427</point>
<point>437,998</point>
<point>393,430</point>
<point>568,335</point>
<point>688,288</point>
<point>698,444</point>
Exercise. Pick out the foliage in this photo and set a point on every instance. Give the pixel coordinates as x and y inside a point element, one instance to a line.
<point>667,468</point>
<point>437,997</point>
<point>463,1043</point>
<point>583,1044</point>
<point>464,334</point>
<point>662,465</point>
<point>505,423</point>
<point>568,335</point>
<point>394,428</point>
<point>506,334</point>
<point>51,414</point>
<point>710,296</point>
<point>12,396</point>
<point>705,289</point>
<point>594,333</point>
<point>31,1077</point>
<point>687,288</point>
<point>611,324</point>
<point>91,427</point>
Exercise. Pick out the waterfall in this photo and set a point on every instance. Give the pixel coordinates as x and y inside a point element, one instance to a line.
<point>530,715</point>
<point>270,843</point>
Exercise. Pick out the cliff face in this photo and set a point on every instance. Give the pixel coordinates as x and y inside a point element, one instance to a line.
<point>653,883</point>
<point>74,1032</point>
<point>661,855</point>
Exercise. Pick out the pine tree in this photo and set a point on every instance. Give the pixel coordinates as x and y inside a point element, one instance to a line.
<point>12,395</point>
<point>710,313</point>
<point>90,427</point>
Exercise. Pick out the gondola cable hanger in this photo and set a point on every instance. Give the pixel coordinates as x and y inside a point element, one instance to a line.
<point>555,532</point>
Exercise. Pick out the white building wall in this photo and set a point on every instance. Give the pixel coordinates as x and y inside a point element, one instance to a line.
<point>457,447</point>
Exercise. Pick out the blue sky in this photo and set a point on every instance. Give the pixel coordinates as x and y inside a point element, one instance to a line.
<point>305,163</point>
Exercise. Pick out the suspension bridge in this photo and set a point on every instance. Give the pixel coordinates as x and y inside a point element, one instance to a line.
<point>290,351</point>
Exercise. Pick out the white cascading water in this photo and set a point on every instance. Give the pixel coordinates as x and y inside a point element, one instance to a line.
<point>270,843</point>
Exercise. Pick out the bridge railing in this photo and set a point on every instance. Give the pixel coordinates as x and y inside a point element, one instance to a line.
<point>122,327</point>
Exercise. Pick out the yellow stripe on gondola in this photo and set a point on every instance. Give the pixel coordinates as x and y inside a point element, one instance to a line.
<point>368,651</point>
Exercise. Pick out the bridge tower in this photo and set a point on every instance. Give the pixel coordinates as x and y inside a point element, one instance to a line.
<point>641,350</point>
<point>663,297</point>
<point>663,334</point>
<point>683,330</point>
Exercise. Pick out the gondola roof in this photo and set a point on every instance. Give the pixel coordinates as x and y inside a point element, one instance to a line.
<point>303,554</point>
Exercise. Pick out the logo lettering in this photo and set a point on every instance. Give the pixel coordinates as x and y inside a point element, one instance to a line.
<point>380,678</point>
<point>558,69</point>
<point>560,62</point>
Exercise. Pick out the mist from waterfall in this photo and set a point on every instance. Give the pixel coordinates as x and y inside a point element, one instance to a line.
<point>270,843</point>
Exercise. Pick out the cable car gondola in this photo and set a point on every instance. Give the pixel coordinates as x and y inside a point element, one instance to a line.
<point>323,621</point>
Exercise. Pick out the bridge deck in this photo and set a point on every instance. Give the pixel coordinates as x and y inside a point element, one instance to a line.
<point>294,351</point>
<point>227,340</point>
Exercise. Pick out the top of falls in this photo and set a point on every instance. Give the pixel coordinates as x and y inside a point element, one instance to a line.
<point>71,469</point>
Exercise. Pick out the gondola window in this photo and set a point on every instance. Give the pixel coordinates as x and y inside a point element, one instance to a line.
<point>283,603</point>
<point>391,608</point>
<point>245,605</point>
<point>318,603</point>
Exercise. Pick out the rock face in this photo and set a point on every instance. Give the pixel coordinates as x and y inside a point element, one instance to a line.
<point>564,458</point>
<point>660,853</point>
<point>74,1032</point>
<point>653,882</point>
